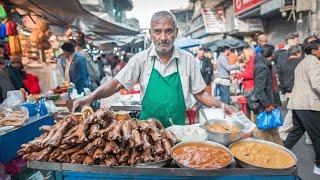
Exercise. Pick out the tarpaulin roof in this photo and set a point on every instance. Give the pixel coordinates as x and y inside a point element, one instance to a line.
<point>184,42</point>
<point>232,43</point>
<point>70,12</point>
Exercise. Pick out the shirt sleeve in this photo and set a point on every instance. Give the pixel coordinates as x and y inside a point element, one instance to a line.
<point>260,85</point>
<point>314,77</point>
<point>84,71</point>
<point>225,64</point>
<point>129,74</point>
<point>248,73</point>
<point>197,83</point>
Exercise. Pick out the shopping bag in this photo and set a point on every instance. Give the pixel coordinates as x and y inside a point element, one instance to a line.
<point>269,120</point>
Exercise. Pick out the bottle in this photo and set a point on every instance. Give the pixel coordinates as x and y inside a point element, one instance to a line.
<point>42,107</point>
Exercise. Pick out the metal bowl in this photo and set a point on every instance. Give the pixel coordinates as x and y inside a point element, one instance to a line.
<point>246,165</point>
<point>223,138</point>
<point>200,142</point>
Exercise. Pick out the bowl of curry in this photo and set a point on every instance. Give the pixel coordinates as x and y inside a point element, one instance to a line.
<point>223,131</point>
<point>262,154</point>
<point>204,155</point>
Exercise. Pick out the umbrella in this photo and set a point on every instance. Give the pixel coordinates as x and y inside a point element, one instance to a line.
<point>232,43</point>
<point>184,42</point>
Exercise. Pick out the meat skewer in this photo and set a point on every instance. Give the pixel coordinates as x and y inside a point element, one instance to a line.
<point>99,139</point>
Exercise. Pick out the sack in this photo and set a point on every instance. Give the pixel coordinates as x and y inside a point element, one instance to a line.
<point>270,120</point>
<point>31,82</point>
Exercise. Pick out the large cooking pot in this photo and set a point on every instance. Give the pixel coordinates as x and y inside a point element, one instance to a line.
<point>223,138</point>
<point>246,165</point>
<point>200,142</point>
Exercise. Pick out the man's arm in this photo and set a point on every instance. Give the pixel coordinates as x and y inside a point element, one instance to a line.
<point>106,90</point>
<point>227,66</point>
<point>206,99</point>
<point>124,79</point>
<point>314,77</point>
<point>260,85</point>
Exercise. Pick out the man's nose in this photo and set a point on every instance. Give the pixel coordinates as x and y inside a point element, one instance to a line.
<point>163,36</point>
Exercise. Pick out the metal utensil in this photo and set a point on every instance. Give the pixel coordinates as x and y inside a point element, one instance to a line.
<point>246,165</point>
<point>223,138</point>
<point>200,142</point>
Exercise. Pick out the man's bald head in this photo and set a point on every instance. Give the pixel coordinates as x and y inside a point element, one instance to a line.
<point>163,15</point>
<point>262,39</point>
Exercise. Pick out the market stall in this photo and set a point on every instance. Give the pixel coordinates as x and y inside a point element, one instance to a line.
<point>78,171</point>
<point>12,139</point>
<point>104,144</point>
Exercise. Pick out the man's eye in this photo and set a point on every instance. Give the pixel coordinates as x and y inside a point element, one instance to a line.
<point>169,31</point>
<point>157,31</point>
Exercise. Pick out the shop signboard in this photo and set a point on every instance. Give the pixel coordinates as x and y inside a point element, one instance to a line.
<point>241,6</point>
<point>213,22</point>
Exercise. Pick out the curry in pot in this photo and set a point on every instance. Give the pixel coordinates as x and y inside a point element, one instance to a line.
<point>201,156</point>
<point>223,128</point>
<point>262,155</point>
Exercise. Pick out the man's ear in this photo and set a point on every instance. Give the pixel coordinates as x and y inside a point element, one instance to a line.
<point>150,34</point>
<point>177,31</point>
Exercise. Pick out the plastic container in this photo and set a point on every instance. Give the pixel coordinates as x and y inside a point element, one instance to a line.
<point>32,108</point>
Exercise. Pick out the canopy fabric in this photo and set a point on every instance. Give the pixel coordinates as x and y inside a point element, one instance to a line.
<point>64,13</point>
<point>184,42</point>
<point>232,43</point>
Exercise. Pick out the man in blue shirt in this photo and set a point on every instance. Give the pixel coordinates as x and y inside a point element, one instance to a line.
<point>262,40</point>
<point>76,68</point>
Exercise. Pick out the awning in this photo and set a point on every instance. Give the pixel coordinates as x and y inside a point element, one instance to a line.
<point>232,43</point>
<point>121,40</point>
<point>184,42</point>
<point>70,12</point>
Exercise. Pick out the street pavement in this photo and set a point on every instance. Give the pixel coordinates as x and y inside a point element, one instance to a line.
<point>305,155</point>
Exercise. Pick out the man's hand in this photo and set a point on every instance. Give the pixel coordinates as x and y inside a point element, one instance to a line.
<point>248,133</point>
<point>82,102</point>
<point>229,109</point>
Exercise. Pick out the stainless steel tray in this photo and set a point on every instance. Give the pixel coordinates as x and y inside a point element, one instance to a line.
<point>160,171</point>
<point>157,164</point>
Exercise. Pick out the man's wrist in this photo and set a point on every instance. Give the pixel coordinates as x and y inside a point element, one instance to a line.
<point>222,105</point>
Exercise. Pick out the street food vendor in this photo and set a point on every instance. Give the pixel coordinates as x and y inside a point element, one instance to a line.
<point>167,76</point>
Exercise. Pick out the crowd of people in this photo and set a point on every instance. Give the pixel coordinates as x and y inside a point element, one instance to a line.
<point>11,72</point>
<point>291,71</point>
<point>85,70</point>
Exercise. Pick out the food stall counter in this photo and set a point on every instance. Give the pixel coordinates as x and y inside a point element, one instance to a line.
<point>75,171</point>
<point>11,140</point>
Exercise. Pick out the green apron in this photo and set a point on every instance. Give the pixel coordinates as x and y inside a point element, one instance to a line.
<point>163,98</point>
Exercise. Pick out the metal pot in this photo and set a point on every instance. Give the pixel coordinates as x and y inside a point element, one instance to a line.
<point>200,142</point>
<point>223,138</point>
<point>246,165</point>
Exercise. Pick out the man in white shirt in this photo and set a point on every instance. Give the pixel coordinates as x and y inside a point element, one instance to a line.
<point>167,76</point>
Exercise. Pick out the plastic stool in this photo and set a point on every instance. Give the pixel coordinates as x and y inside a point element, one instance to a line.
<point>191,113</point>
<point>242,102</point>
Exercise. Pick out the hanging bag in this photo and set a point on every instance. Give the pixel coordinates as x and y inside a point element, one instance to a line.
<point>269,120</point>
<point>2,31</point>
<point>3,13</point>
<point>14,45</point>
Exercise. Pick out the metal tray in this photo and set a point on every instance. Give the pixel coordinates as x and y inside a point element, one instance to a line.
<point>246,165</point>
<point>66,167</point>
<point>157,164</point>
<point>200,142</point>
